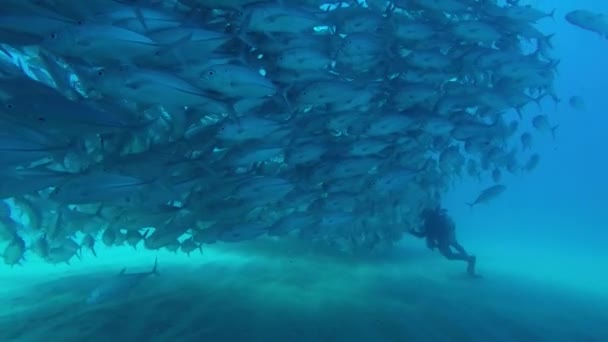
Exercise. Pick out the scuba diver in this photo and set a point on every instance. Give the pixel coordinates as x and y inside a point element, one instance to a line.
<point>440,232</point>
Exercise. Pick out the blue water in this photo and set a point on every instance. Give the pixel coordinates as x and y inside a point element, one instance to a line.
<point>541,250</point>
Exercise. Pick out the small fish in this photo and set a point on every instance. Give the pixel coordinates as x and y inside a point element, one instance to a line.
<point>41,247</point>
<point>488,194</point>
<point>577,103</point>
<point>14,251</point>
<point>189,245</point>
<point>532,162</point>
<point>134,237</point>
<point>541,123</point>
<point>109,237</point>
<point>100,43</point>
<point>526,141</point>
<point>99,187</point>
<point>235,81</point>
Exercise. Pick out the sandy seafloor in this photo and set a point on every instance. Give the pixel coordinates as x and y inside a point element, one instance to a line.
<point>286,293</point>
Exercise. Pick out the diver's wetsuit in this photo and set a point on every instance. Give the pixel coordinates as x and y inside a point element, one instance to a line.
<point>440,231</point>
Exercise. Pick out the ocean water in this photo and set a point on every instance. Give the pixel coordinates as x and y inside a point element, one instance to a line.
<point>541,252</point>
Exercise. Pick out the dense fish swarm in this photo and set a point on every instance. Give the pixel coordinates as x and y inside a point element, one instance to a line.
<point>175,124</point>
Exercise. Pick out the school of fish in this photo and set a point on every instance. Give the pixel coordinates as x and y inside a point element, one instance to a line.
<point>179,123</point>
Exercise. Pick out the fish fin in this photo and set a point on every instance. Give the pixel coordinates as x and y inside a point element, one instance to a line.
<point>122,271</point>
<point>471,205</point>
<point>155,268</point>
<point>98,212</point>
<point>94,253</point>
<point>140,17</point>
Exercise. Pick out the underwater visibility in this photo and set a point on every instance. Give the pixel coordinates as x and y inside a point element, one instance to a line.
<point>303,170</point>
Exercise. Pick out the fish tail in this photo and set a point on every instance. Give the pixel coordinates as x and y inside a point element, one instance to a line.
<point>547,39</point>
<point>553,129</point>
<point>99,211</point>
<point>538,100</point>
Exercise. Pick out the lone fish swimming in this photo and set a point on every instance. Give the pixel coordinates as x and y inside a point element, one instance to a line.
<point>119,286</point>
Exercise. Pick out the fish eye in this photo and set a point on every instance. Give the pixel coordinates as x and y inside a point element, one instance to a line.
<point>10,106</point>
<point>100,73</point>
<point>53,35</point>
<point>41,118</point>
<point>210,72</point>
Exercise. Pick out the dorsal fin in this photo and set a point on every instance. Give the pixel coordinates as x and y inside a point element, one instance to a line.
<point>155,268</point>
<point>123,271</point>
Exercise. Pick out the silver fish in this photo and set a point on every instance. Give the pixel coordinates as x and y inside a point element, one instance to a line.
<point>119,286</point>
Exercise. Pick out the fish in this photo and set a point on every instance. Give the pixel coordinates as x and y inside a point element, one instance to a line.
<point>14,252</point>
<point>488,194</point>
<point>532,162</point>
<point>589,20</point>
<point>541,123</point>
<point>41,247</point>
<point>109,237</point>
<point>99,43</point>
<point>119,286</point>
<point>577,103</point>
<point>189,245</point>
<point>99,187</point>
<point>526,141</point>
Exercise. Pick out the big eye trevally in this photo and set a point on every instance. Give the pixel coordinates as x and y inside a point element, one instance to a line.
<point>119,286</point>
